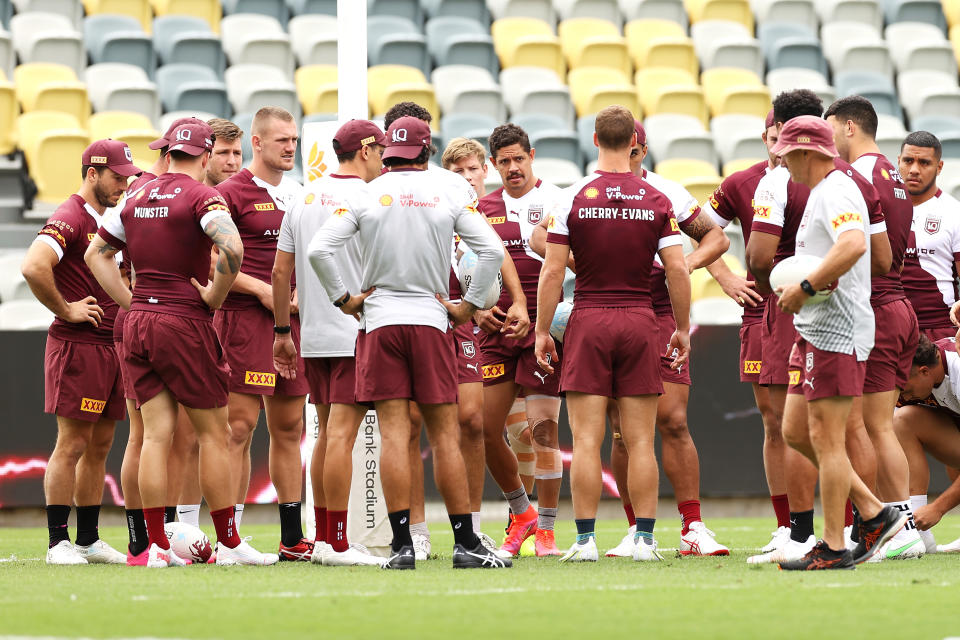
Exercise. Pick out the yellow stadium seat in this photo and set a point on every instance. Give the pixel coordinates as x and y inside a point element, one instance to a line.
<point>717,82</point>
<point>747,99</point>
<point>388,84</point>
<point>734,10</point>
<point>52,143</point>
<point>733,166</point>
<point>133,128</point>
<point>139,9</point>
<point>209,10</point>
<point>680,169</point>
<point>675,52</point>
<point>593,42</point>
<point>639,33</point>
<point>505,32</point>
<point>702,285</point>
<point>317,88</point>
<point>593,88</point>
<point>527,42</point>
<point>139,140</point>
<point>701,187</point>
<point>955,40</point>
<point>50,86</point>
<point>951,9</point>
<point>8,117</point>
<point>670,90</point>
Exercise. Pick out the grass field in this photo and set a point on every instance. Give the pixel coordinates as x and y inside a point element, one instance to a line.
<point>616,598</point>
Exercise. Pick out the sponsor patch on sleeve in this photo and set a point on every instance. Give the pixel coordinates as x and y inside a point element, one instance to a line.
<point>56,235</point>
<point>673,225</point>
<point>844,218</point>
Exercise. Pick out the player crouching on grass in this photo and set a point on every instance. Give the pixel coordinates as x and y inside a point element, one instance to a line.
<point>171,352</point>
<point>828,360</point>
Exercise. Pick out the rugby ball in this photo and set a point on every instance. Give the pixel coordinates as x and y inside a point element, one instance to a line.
<point>465,269</point>
<point>188,542</point>
<point>794,270</point>
<point>559,325</point>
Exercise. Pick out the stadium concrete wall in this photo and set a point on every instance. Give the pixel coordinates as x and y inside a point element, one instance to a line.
<point>722,416</point>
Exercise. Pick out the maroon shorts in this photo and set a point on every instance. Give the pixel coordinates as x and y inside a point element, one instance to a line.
<point>468,356</point>
<point>82,381</point>
<point>612,352</point>
<point>508,360</point>
<point>824,374</point>
<point>939,333</point>
<point>895,343</point>
<point>247,338</point>
<point>124,377</point>
<point>777,336</point>
<point>667,325</point>
<point>162,350</point>
<point>751,348</point>
<point>332,380</point>
<point>406,361</point>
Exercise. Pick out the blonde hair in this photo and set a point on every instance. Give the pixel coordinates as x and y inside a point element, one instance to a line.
<point>225,130</point>
<point>461,148</point>
<point>265,114</point>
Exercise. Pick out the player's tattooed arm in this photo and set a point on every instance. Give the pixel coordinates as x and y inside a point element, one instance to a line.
<point>100,258</point>
<point>226,239</point>
<point>713,242</point>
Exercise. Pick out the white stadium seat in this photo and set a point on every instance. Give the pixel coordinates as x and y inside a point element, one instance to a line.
<point>468,89</point>
<point>24,314</point>
<point>258,39</point>
<point>250,86</point>
<point>114,86</point>
<point>39,36</point>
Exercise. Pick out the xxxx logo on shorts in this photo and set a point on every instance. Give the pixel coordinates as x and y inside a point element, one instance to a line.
<point>492,371</point>
<point>794,378</point>
<point>92,406</point>
<point>751,366</point>
<point>260,379</point>
<point>843,218</point>
<point>264,206</point>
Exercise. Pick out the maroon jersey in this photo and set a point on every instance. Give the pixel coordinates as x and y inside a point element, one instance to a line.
<point>161,231</point>
<point>132,188</point>
<point>615,223</point>
<point>257,209</point>
<point>69,232</point>
<point>898,215</point>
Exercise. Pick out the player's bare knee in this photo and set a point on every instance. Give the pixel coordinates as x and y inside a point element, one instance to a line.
<point>471,426</point>
<point>673,426</point>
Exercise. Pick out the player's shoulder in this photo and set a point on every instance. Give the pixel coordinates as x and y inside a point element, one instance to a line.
<point>73,208</point>
<point>774,182</point>
<point>839,185</point>
<point>548,189</point>
<point>236,183</point>
<point>749,176</point>
<point>672,190</point>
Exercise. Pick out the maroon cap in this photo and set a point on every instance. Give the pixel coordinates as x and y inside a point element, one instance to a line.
<point>769,122</point>
<point>113,154</point>
<point>356,133</point>
<point>406,138</point>
<point>193,138</point>
<point>641,132</point>
<point>167,139</point>
<point>806,132</point>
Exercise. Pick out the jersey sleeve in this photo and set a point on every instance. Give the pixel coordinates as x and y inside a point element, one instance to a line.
<point>843,212</point>
<point>209,204</point>
<point>286,241</point>
<point>719,207</point>
<point>955,239</point>
<point>60,231</point>
<point>484,241</point>
<point>112,230</point>
<point>557,231</point>
<point>335,232</point>
<point>690,208</point>
<point>769,205</point>
<point>669,231</point>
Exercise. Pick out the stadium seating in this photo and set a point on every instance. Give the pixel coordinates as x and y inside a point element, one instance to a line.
<point>723,43</point>
<point>133,128</point>
<point>802,13</point>
<point>919,46</point>
<point>170,116</point>
<point>730,90</point>
<point>551,137</point>
<point>257,39</point>
<point>317,88</point>
<point>12,284</point>
<point>669,90</point>
<point>876,87</point>
<point>735,10</point>
<point>461,40</point>
<point>114,86</point>
<point>864,11</point>
<point>8,117</point>
<point>789,45</point>
<point>672,10</point>
<point>473,9</point>
<point>593,88</point>
<point>527,42</point>
<point>937,125</point>
<point>7,56</point>
<point>539,9</point>
<point>184,86</point>
<point>562,173</point>
<point>396,40</point>
<point>602,9</point>
<point>468,125</point>
<point>594,42</point>
<point>409,9</point>
<point>929,93</point>
<point>314,39</point>
<point>47,37</point>
<point>388,84</point>
<point>52,142</point>
<point>279,10</point>
<point>536,90</point>
<point>70,9</point>
<point>737,137</point>
<point>790,78</point>
<point>188,39</point>
<point>465,88</point>
<point>653,42</point>
<point>928,11</point>
<point>251,86</point>
<point>733,166</point>
<point>24,314</point>
<point>52,87</point>
<point>137,9</point>
<point>209,10</point>
<point>852,46</point>
<point>118,38</point>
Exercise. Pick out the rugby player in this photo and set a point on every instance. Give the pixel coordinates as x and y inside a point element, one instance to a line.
<point>258,198</point>
<point>733,200</point>
<point>171,351</point>
<point>834,339</point>
<point>509,364</point>
<point>609,350</point>
<point>327,336</point>
<point>403,351</point>
<point>681,463</point>
<point>227,157</point>
<point>854,123</point>
<point>82,384</point>
<point>931,427</point>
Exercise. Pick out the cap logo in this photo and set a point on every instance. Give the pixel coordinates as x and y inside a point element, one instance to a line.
<point>368,140</point>
<point>98,159</point>
<point>128,154</point>
<point>803,139</point>
<point>183,134</point>
<point>399,135</point>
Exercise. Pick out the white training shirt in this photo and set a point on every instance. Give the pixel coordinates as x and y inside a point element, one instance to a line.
<point>843,322</point>
<point>325,331</point>
<point>929,273</point>
<point>405,224</point>
<point>685,206</point>
<point>947,393</point>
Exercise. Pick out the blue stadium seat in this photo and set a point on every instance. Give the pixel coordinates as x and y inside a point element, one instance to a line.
<point>191,86</point>
<point>874,86</point>
<point>409,9</point>
<point>116,38</point>
<point>188,39</point>
<point>585,128</point>
<point>474,9</point>
<point>929,11</point>
<point>771,32</point>
<point>467,125</point>
<point>937,125</point>
<point>551,136</point>
<point>396,40</point>
<point>791,45</point>
<point>274,8</point>
<point>950,144</point>
<point>460,40</point>
<point>6,11</point>
<point>303,7</point>
<point>537,122</point>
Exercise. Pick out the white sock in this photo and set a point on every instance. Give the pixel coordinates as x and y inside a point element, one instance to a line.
<point>238,514</point>
<point>904,507</point>
<point>927,536</point>
<point>421,528</point>
<point>189,514</point>
<point>918,501</point>
<point>475,517</point>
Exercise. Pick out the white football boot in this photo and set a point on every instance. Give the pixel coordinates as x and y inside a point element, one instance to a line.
<point>582,552</point>
<point>625,548</point>
<point>101,553</point>
<point>65,553</point>
<point>791,551</point>
<point>643,552</point>
<point>320,549</point>
<point>159,558</point>
<point>778,538</point>
<point>421,546</point>
<point>243,553</point>
<point>700,541</point>
<point>950,547</point>
<point>905,545</point>
<point>352,557</point>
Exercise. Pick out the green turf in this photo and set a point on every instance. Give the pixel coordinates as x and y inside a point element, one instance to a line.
<point>711,597</point>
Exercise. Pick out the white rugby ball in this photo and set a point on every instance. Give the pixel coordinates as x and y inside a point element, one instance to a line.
<point>465,269</point>
<point>558,328</point>
<point>188,542</point>
<point>794,270</point>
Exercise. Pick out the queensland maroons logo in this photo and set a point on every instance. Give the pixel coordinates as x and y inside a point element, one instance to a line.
<point>469,349</point>
<point>535,214</point>
<point>931,225</point>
